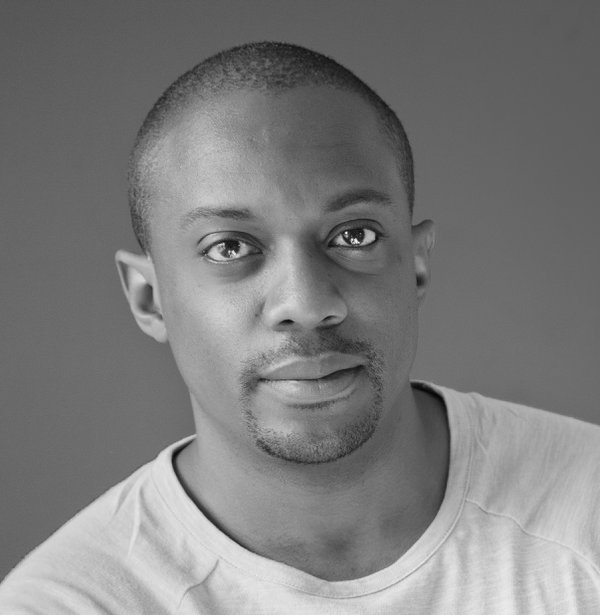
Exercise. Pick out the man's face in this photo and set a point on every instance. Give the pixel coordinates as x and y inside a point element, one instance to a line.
<point>284,261</point>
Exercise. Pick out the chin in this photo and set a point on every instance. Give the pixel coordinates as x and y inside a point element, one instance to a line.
<point>314,448</point>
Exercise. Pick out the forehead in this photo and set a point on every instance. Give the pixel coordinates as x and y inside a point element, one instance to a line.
<point>299,117</point>
<point>292,146</point>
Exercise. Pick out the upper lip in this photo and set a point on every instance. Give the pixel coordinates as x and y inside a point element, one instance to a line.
<point>312,368</point>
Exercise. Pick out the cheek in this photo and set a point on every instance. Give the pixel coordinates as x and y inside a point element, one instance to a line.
<point>387,309</point>
<point>386,299</point>
<point>205,331</point>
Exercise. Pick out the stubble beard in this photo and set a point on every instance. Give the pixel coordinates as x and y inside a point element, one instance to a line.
<point>314,448</point>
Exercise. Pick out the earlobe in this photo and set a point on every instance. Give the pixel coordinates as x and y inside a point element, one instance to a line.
<point>423,242</point>
<point>138,279</point>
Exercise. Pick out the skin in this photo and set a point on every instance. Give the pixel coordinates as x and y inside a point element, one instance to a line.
<point>294,287</point>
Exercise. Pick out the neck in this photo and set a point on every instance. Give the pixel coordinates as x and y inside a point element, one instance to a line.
<point>336,520</point>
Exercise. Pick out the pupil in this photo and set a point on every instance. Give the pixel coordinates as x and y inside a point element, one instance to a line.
<point>354,237</point>
<point>230,248</point>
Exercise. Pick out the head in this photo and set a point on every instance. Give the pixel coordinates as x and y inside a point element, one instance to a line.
<point>271,192</point>
<point>261,67</point>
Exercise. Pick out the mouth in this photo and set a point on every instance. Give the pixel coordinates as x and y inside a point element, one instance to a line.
<point>299,389</point>
<point>318,367</point>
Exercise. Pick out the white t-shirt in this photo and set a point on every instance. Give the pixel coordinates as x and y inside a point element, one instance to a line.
<point>518,532</point>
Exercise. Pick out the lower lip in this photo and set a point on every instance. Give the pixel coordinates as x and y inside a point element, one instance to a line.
<point>338,385</point>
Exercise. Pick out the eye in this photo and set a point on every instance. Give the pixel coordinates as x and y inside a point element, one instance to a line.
<point>360,237</point>
<point>228,250</point>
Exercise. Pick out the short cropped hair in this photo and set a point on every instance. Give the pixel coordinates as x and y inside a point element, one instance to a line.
<point>268,67</point>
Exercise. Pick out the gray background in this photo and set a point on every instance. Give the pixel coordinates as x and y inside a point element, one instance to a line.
<point>501,102</point>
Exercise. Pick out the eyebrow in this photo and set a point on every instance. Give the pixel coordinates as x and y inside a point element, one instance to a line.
<point>199,213</point>
<point>353,197</point>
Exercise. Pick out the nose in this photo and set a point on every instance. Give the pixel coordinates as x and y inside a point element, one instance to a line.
<point>303,293</point>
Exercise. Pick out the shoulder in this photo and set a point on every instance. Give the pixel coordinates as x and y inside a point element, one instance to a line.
<point>115,556</point>
<point>539,469</point>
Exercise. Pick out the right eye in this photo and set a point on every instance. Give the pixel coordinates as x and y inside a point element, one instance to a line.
<point>228,250</point>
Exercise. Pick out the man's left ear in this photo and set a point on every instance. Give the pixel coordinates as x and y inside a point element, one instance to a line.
<point>423,236</point>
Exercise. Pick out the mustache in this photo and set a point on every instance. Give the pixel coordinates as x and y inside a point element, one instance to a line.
<point>306,347</point>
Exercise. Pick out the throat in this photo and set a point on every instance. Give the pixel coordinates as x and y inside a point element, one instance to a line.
<point>352,521</point>
<point>339,560</point>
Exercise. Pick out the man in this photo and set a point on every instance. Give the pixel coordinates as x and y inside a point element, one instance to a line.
<point>272,193</point>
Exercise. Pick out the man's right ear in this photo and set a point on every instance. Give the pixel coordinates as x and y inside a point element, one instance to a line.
<point>138,279</point>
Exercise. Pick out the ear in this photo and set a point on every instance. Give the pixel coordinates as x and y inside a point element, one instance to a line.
<point>423,235</point>
<point>138,279</point>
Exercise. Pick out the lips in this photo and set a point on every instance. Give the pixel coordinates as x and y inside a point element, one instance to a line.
<point>313,368</point>
<point>312,380</point>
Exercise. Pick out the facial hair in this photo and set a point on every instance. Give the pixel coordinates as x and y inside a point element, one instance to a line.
<point>301,448</point>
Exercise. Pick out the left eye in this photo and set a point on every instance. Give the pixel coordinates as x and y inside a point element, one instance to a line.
<point>360,237</point>
<point>228,250</point>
